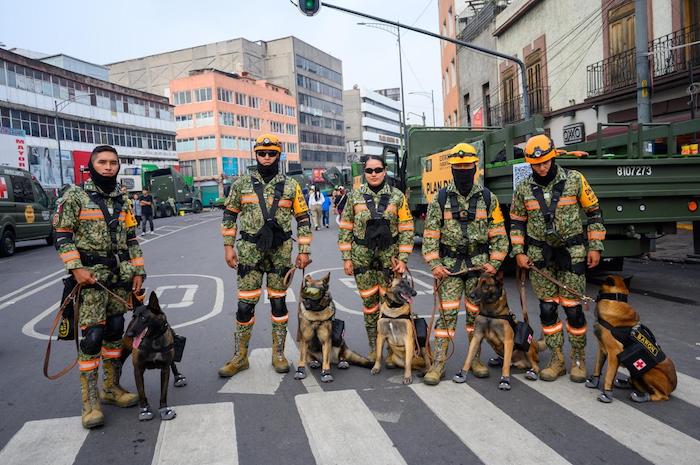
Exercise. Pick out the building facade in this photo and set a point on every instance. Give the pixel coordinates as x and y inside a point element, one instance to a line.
<point>139,125</point>
<point>372,121</point>
<point>312,76</point>
<point>448,64</point>
<point>219,115</point>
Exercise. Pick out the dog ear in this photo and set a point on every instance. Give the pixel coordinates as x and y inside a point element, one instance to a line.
<point>153,303</point>
<point>628,282</point>
<point>327,279</point>
<point>609,281</point>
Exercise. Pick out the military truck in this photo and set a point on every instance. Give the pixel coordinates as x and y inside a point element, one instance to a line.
<point>168,183</point>
<point>644,182</point>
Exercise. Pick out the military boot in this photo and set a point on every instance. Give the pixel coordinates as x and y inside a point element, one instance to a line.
<point>279,336</point>
<point>578,372</point>
<point>437,369</point>
<point>556,367</point>
<point>372,342</point>
<point>112,393</point>
<point>239,361</point>
<point>478,369</point>
<point>92,416</point>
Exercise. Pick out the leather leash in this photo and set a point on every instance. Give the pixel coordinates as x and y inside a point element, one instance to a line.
<point>75,297</point>
<point>584,298</point>
<point>521,276</point>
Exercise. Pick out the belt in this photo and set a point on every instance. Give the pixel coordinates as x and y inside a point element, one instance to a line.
<point>251,237</point>
<point>363,241</point>
<point>91,259</point>
<point>559,255</point>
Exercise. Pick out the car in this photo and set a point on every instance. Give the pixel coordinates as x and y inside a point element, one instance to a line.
<point>25,210</point>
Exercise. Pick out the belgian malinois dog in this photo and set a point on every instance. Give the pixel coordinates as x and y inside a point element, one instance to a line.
<point>150,340</point>
<point>396,327</point>
<point>615,317</point>
<point>495,323</point>
<point>317,341</point>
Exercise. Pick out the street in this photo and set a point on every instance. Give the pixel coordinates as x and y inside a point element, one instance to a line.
<point>260,417</point>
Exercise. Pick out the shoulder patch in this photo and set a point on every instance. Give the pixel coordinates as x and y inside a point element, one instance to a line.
<point>587,197</point>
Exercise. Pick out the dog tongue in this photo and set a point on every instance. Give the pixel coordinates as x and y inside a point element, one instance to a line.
<point>137,340</point>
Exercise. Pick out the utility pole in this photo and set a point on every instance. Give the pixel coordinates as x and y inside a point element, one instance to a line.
<point>404,132</point>
<point>642,60</point>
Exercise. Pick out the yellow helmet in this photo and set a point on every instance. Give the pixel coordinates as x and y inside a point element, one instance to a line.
<point>462,153</point>
<point>539,149</point>
<point>268,142</point>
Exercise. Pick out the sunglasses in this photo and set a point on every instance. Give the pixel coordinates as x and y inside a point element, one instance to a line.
<point>374,170</point>
<point>266,153</point>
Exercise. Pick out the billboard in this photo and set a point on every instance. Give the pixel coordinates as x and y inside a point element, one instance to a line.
<point>230,166</point>
<point>80,166</point>
<point>13,152</point>
<point>46,167</point>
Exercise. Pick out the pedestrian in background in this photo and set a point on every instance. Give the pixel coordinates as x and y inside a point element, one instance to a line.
<point>316,199</point>
<point>326,207</point>
<point>137,209</point>
<point>340,201</point>
<point>146,201</point>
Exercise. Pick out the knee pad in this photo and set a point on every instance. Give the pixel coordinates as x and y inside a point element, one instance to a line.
<point>279,307</point>
<point>245,312</point>
<point>575,316</point>
<point>91,344</point>
<point>548,313</point>
<point>114,328</point>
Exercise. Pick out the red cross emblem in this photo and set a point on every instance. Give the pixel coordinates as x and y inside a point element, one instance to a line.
<point>639,364</point>
<point>3,189</point>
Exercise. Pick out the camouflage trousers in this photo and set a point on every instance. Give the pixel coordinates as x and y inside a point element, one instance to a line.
<point>451,292</point>
<point>253,265</point>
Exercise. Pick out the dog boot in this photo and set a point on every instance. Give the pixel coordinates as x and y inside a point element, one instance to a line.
<point>478,369</point>
<point>437,369</point>
<point>279,336</point>
<point>112,393</point>
<point>578,372</point>
<point>239,361</point>
<point>92,416</point>
<point>556,367</point>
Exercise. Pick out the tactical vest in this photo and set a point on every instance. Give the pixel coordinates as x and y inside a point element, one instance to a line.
<point>377,231</point>
<point>271,235</point>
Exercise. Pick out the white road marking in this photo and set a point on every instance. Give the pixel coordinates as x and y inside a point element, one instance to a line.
<point>292,353</point>
<point>650,438</point>
<point>342,430</point>
<point>260,378</point>
<point>485,429</point>
<point>30,293</point>
<point>204,434</point>
<point>55,441</point>
<point>17,291</point>
<point>187,299</point>
<point>688,388</point>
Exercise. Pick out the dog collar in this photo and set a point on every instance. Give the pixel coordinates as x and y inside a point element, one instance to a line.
<point>611,296</point>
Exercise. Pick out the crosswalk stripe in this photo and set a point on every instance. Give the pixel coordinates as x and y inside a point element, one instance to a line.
<point>204,434</point>
<point>292,353</point>
<point>650,438</point>
<point>331,418</point>
<point>484,428</point>
<point>260,378</point>
<point>45,442</point>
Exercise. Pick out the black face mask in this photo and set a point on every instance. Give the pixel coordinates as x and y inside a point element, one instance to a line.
<point>377,188</point>
<point>464,180</point>
<point>106,184</point>
<point>269,172</point>
<point>547,178</point>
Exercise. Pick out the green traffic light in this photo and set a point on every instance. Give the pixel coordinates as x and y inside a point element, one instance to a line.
<point>310,4</point>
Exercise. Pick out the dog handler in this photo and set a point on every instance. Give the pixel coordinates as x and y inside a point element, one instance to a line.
<point>265,203</point>
<point>95,233</point>
<point>546,215</point>
<point>375,239</point>
<point>464,228</point>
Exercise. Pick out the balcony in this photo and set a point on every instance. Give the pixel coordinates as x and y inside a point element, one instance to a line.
<point>669,55</point>
<point>510,111</point>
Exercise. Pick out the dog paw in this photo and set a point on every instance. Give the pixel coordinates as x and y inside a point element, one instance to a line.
<point>314,364</point>
<point>592,382</point>
<point>375,370</point>
<point>343,365</point>
<point>495,362</point>
<point>300,373</point>
<point>180,381</point>
<point>145,414</point>
<point>167,413</point>
<point>504,383</point>
<point>606,397</point>
<point>639,397</point>
<point>621,383</point>
<point>326,377</point>
<point>460,377</point>
<point>531,375</point>
<point>408,380</point>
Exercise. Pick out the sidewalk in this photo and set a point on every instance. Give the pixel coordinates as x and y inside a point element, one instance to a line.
<point>675,247</point>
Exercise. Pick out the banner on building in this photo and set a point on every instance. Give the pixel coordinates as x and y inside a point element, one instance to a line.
<point>230,166</point>
<point>317,175</point>
<point>13,152</point>
<point>478,118</point>
<point>80,166</point>
<point>46,167</point>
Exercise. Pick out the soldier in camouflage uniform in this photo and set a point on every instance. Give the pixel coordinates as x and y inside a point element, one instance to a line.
<point>265,247</point>
<point>92,251</point>
<point>546,215</point>
<point>464,228</point>
<point>373,246</point>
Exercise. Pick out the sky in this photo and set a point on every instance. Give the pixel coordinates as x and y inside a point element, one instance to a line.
<point>107,31</point>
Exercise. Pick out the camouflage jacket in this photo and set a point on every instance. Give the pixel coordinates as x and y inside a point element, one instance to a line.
<point>243,201</point>
<point>487,228</point>
<point>79,225</point>
<point>353,222</point>
<point>527,219</point>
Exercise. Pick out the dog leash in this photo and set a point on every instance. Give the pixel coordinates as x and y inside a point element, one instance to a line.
<point>584,298</point>
<point>521,276</point>
<point>127,304</point>
<point>75,297</point>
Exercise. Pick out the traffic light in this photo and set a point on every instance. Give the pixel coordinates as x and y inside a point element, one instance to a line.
<point>309,7</point>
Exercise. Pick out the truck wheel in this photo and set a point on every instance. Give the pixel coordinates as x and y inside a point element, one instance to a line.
<point>7,243</point>
<point>197,206</point>
<point>168,212</point>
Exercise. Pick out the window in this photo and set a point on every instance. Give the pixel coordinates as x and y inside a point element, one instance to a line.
<point>22,188</point>
<point>226,118</point>
<point>453,73</point>
<point>208,167</point>
<point>290,111</point>
<point>225,95</point>
<point>468,109</point>
<point>187,167</point>
<point>203,94</point>
<point>229,143</point>
<point>450,22</point>
<point>240,99</point>
<point>319,87</point>
<point>621,28</point>
<point>486,92</point>
<point>535,83</point>
<point>183,122</point>
<point>277,127</point>
<point>312,67</point>
<point>276,107</point>
<point>206,143</point>
<point>185,145</point>
<point>253,102</point>
<point>205,118</point>
<point>241,121</point>
<point>179,98</point>
<point>319,104</point>
<point>292,147</point>
<point>509,102</point>
<point>254,122</point>
<point>291,128</point>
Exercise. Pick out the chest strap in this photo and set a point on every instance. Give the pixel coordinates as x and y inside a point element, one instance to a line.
<point>621,333</point>
<point>111,219</point>
<point>549,211</point>
<point>258,188</point>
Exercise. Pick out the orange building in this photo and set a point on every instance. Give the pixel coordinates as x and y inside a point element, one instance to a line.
<point>218,115</point>
<point>448,53</point>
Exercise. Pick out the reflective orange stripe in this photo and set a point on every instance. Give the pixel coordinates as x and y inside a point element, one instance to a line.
<point>552,299</point>
<point>480,214</point>
<point>249,294</point>
<point>304,240</point>
<point>497,256</point>
<point>89,365</point>
<point>70,256</point>
<point>369,292</point>
<point>273,294</point>
<point>517,240</point>
<point>279,319</point>
<point>431,233</point>
<point>447,215</point>
<point>406,226</point>
<point>431,256</point>
<point>575,331</point>
<point>90,214</point>
<point>228,232</point>
<point>568,200</point>
<point>346,225</point>
<point>552,329</point>
<point>568,303</point>
<point>360,207</point>
<point>137,261</point>
<point>247,323</point>
<point>499,231</point>
<point>406,248</point>
<point>596,235</point>
<point>233,210</point>
<point>532,205</point>
<point>471,307</point>
<point>445,333</point>
<point>249,198</point>
<point>285,203</point>
<point>370,310</point>
<point>450,304</point>
<point>344,246</point>
<point>515,217</point>
<point>111,353</point>
<point>64,230</point>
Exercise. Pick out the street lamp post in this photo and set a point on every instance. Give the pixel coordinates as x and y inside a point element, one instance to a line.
<point>420,116</point>
<point>432,100</point>
<point>63,104</point>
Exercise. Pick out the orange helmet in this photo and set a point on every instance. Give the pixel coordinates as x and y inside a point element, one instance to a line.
<point>268,142</point>
<point>539,149</point>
